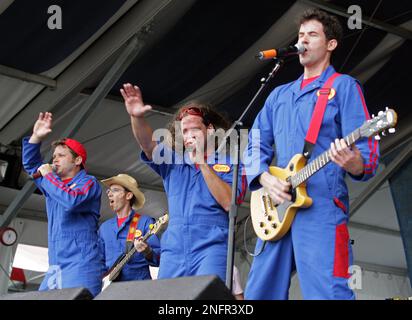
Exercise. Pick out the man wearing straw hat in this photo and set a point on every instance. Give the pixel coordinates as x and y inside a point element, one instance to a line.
<point>116,235</point>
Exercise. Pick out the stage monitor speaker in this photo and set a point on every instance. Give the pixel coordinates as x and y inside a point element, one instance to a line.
<point>61,294</point>
<point>185,288</point>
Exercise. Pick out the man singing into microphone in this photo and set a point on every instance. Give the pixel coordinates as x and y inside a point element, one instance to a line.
<point>197,183</point>
<point>317,246</point>
<point>73,205</point>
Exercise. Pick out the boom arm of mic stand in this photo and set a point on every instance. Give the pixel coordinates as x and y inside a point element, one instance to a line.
<point>233,205</point>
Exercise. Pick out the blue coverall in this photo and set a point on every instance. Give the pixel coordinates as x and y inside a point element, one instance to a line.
<point>318,244</point>
<point>195,242</point>
<point>112,241</point>
<point>73,214</point>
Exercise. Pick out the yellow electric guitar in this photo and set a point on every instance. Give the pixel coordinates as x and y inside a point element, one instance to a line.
<point>272,222</point>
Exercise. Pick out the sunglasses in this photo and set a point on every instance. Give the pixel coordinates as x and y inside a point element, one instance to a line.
<point>194,111</point>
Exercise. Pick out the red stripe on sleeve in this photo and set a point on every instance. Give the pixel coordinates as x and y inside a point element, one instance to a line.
<point>72,192</point>
<point>373,156</point>
<point>365,108</point>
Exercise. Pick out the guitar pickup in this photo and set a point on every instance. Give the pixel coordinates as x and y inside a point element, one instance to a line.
<point>265,204</point>
<point>271,204</point>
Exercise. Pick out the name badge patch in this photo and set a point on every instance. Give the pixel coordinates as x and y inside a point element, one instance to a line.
<point>221,168</point>
<point>332,93</point>
<point>138,233</point>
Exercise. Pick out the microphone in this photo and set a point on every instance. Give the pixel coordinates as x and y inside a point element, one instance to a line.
<point>298,48</point>
<point>38,174</point>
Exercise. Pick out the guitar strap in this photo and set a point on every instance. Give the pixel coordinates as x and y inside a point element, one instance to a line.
<point>132,231</point>
<point>317,116</point>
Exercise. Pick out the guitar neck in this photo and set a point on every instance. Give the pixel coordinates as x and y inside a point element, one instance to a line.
<point>322,160</point>
<point>116,270</point>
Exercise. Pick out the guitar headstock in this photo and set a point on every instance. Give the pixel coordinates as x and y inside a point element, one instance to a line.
<point>160,224</point>
<point>378,124</point>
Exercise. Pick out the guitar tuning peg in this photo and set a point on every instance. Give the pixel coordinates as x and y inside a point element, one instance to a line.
<point>392,130</point>
<point>380,113</point>
<point>377,138</point>
<point>387,108</point>
<point>373,116</point>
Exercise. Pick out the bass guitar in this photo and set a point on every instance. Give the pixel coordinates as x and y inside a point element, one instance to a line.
<point>117,267</point>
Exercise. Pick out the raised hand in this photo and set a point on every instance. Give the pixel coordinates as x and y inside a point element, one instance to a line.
<point>195,149</point>
<point>42,127</point>
<point>133,101</point>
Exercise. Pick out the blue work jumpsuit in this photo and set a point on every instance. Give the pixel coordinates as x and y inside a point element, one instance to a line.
<point>195,242</point>
<point>73,214</point>
<point>318,244</point>
<point>112,240</point>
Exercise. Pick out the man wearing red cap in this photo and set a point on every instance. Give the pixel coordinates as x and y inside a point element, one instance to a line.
<point>73,210</point>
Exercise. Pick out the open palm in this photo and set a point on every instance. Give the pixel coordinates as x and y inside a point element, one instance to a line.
<point>133,101</point>
<point>43,125</point>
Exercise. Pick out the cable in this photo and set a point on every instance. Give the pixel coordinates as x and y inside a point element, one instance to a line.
<point>244,242</point>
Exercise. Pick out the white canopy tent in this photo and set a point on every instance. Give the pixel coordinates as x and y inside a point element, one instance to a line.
<point>66,86</point>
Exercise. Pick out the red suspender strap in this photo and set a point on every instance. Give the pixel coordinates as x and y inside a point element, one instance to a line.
<point>317,116</point>
<point>133,227</point>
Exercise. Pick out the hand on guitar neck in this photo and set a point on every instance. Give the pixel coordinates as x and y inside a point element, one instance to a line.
<point>277,189</point>
<point>348,158</point>
<point>143,248</point>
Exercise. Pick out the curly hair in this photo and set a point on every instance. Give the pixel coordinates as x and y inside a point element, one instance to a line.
<point>331,25</point>
<point>210,116</point>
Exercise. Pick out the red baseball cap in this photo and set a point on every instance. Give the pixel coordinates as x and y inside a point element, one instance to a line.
<point>77,147</point>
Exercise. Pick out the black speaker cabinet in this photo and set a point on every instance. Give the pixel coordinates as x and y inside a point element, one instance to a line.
<point>185,288</point>
<point>61,294</point>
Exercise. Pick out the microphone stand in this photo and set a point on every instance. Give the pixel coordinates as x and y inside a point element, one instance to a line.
<point>233,206</point>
